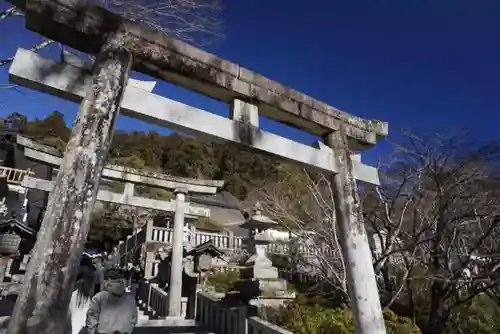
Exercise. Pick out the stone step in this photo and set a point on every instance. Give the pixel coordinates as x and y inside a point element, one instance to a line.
<point>174,325</point>
<point>167,326</point>
<point>167,322</point>
<point>169,330</point>
<point>141,317</point>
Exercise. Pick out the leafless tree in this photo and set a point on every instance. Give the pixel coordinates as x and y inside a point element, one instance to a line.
<point>434,222</point>
<point>441,195</point>
<point>303,205</point>
<point>386,213</point>
<point>114,220</point>
<point>195,21</point>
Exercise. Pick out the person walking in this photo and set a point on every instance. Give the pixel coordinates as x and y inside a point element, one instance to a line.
<point>112,311</point>
<point>135,278</point>
<point>99,272</point>
<point>82,295</point>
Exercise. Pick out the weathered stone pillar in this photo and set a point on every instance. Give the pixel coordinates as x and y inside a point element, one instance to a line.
<point>175,284</point>
<point>362,286</point>
<point>42,305</point>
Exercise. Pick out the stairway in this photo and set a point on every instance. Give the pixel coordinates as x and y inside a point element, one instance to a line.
<point>146,325</point>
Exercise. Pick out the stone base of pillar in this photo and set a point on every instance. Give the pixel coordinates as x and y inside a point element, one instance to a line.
<point>260,285</point>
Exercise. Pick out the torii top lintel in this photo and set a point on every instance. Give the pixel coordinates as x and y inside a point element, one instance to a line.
<point>84,27</point>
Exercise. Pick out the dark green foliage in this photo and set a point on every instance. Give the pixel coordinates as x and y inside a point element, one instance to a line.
<point>304,316</point>
<point>223,281</point>
<point>49,129</point>
<point>173,154</point>
<point>108,224</point>
<point>480,316</point>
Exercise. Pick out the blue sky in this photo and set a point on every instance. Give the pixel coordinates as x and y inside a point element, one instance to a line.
<point>428,66</point>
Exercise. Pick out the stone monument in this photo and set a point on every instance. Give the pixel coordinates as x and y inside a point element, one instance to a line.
<point>259,283</point>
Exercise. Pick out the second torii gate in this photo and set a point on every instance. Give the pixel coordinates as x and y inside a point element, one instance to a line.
<point>121,45</point>
<point>132,177</point>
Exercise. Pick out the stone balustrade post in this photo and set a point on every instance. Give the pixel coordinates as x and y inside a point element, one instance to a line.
<point>193,235</point>
<point>149,230</point>
<point>231,241</point>
<point>175,284</point>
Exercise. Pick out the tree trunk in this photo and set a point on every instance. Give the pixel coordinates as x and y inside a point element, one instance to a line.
<point>42,305</point>
<point>435,325</point>
<point>437,316</point>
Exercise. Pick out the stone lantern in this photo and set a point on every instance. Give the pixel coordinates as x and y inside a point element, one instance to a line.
<point>11,233</point>
<point>259,283</point>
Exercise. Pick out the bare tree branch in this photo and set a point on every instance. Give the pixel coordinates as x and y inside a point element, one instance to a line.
<point>194,21</point>
<point>434,222</point>
<point>303,204</point>
<point>452,185</point>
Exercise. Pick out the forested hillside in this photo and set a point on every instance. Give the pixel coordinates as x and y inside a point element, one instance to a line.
<point>173,154</point>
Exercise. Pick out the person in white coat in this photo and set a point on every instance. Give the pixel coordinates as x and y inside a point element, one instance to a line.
<point>80,301</point>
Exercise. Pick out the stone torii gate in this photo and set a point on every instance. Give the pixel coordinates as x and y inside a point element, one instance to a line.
<point>121,45</point>
<point>132,177</point>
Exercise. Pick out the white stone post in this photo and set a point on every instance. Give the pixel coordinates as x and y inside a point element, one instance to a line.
<point>175,284</point>
<point>149,230</point>
<point>24,208</point>
<point>192,235</point>
<point>361,283</point>
<point>42,304</point>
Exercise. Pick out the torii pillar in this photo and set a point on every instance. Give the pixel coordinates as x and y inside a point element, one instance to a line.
<point>362,285</point>
<point>175,284</point>
<point>42,305</point>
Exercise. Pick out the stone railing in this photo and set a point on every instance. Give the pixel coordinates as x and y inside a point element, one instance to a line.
<point>161,234</point>
<point>13,175</point>
<point>221,241</point>
<point>127,247</point>
<point>213,315</point>
<point>224,241</point>
<point>154,300</point>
